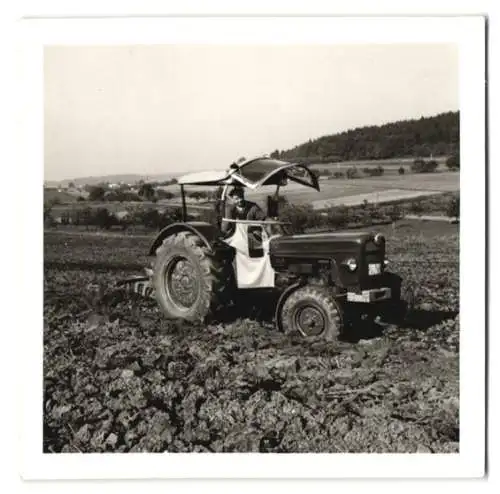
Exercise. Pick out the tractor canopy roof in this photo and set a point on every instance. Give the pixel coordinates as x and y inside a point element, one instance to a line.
<point>254,173</point>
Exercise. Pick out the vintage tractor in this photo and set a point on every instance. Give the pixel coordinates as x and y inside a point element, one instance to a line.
<point>320,281</point>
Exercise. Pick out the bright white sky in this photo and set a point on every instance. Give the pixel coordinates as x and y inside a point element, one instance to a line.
<point>162,109</point>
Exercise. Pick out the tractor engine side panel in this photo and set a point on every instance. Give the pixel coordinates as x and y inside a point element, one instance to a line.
<point>325,256</point>
<point>326,269</point>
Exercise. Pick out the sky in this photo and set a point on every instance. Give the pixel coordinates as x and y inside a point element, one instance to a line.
<point>159,109</point>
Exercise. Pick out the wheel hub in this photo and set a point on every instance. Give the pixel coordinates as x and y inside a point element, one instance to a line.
<point>182,283</point>
<point>310,321</point>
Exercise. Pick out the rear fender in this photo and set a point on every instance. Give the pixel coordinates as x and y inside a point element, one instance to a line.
<point>205,231</point>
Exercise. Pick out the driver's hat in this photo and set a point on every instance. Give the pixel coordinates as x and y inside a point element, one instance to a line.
<point>237,191</point>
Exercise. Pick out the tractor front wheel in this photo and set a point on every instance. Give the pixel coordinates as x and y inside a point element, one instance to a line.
<point>313,312</point>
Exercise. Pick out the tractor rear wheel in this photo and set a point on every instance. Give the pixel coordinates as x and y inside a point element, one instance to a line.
<point>190,281</point>
<point>313,312</point>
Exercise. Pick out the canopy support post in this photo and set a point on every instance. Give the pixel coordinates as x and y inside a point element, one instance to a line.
<point>184,210</point>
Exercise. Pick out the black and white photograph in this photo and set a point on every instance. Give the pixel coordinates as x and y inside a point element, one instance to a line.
<point>256,247</point>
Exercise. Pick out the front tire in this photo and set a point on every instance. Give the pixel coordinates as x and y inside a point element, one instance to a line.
<point>190,282</point>
<point>313,312</point>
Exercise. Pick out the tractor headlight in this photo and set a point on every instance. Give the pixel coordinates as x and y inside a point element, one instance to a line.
<point>351,264</point>
<point>386,262</point>
<point>379,239</point>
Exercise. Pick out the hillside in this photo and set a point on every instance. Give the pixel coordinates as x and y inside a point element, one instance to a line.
<point>437,135</point>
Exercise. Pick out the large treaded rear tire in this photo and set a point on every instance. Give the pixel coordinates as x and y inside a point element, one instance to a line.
<point>190,281</point>
<point>313,312</point>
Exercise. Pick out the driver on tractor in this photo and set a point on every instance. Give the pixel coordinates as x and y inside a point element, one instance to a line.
<point>238,208</point>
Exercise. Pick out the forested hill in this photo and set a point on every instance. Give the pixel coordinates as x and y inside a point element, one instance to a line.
<point>437,135</point>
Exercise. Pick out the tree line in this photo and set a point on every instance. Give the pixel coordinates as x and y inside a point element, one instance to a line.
<point>146,192</point>
<point>424,137</point>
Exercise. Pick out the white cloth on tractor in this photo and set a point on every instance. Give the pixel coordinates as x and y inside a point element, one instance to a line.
<point>251,272</point>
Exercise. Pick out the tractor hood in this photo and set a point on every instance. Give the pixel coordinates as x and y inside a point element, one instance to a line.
<point>318,244</point>
<point>311,254</point>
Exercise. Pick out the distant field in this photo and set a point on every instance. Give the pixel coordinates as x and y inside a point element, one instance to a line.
<point>384,196</point>
<point>391,164</point>
<point>111,205</point>
<point>63,197</point>
<point>438,182</point>
<point>377,189</point>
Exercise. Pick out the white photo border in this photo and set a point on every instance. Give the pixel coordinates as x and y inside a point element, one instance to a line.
<point>469,34</point>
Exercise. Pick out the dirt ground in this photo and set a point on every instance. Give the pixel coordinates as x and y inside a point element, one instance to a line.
<point>118,377</point>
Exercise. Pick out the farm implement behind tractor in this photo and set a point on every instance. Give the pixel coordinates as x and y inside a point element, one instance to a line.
<point>320,281</point>
<point>141,285</point>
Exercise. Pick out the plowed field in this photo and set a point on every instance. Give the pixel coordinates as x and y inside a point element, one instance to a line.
<point>118,377</point>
